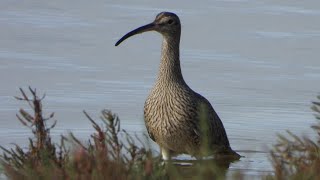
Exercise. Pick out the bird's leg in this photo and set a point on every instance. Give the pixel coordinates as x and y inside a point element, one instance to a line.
<point>165,154</point>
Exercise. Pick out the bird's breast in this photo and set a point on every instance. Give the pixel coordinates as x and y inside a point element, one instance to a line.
<point>169,110</point>
<point>170,103</point>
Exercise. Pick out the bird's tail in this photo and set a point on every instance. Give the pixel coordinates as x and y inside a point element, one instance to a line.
<point>228,154</point>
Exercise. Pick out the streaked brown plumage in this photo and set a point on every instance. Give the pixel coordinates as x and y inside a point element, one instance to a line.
<point>177,118</point>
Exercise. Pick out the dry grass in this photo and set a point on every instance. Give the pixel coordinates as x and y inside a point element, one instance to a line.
<point>105,156</point>
<point>295,157</point>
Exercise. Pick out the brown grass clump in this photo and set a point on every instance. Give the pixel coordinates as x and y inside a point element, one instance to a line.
<point>19,163</point>
<point>105,156</point>
<point>297,157</point>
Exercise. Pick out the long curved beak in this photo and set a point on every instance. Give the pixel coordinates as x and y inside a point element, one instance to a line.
<point>145,28</point>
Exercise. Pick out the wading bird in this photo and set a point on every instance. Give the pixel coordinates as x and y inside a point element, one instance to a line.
<point>177,118</point>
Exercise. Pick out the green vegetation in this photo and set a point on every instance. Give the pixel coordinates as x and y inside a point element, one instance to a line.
<point>111,153</point>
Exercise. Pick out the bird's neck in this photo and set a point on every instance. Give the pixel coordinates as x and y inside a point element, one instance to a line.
<point>170,70</point>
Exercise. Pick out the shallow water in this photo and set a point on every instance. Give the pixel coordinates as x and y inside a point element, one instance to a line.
<point>256,61</point>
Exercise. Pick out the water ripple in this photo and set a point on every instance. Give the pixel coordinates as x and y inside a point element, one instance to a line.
<point>43,19</point>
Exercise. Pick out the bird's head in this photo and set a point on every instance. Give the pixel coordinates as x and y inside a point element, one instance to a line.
<point>166,23</point>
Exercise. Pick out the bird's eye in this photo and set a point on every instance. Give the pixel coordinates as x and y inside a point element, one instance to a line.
<point>170,21</point>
